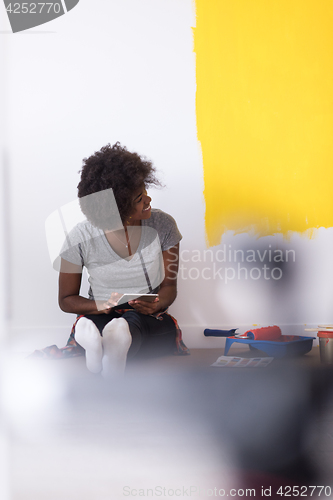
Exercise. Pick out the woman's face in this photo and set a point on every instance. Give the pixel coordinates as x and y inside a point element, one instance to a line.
<point>141,205</point>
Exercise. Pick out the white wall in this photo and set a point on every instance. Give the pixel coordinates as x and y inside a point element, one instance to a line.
<point>125,70</point>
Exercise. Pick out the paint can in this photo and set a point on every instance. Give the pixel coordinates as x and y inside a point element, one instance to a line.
<point>326,346</point>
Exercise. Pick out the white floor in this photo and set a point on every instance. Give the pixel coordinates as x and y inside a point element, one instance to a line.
<point>73,436</point>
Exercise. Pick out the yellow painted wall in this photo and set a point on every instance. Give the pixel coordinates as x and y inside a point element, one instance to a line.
<point>264,106</point>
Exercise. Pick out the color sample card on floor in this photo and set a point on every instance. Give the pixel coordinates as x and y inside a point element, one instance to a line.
<point>236,362</point>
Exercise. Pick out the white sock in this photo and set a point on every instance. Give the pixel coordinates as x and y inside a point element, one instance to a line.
<point>88,336</point>
<point>116,341</point>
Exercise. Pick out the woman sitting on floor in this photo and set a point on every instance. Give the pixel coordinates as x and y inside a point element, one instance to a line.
<point>127,247</point>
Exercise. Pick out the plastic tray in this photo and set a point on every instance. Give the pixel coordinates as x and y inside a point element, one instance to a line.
<point>287,345</point>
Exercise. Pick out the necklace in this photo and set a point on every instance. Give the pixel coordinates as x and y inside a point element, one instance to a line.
<point>128,239</point>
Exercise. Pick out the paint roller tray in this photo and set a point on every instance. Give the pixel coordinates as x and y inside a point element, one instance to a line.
<point>286,345</point>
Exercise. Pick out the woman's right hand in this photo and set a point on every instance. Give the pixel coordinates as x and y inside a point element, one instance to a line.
<point>106,307</point>
<point>102,307</point>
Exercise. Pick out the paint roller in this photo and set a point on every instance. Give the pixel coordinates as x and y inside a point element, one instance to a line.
<point>265,333</point>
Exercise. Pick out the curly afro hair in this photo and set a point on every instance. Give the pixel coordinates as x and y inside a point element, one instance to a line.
<point>117,168</point>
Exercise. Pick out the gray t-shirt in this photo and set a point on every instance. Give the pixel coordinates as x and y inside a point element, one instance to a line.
<point>87,245</point>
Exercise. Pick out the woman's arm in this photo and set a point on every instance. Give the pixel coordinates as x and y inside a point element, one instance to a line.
<point>168,287</point>
<point>70,300</point>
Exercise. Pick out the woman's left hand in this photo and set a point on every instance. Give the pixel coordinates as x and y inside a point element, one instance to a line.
<point>144,307</point>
